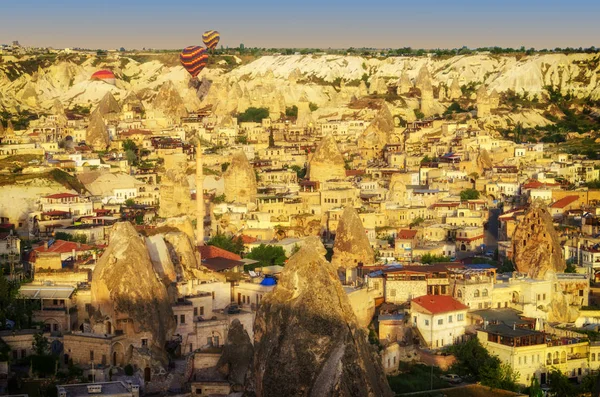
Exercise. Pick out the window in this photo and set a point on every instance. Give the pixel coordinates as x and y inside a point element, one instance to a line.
<point>441,321</point>
<point>426,322</point>
<point>580,292</point>
<point>593,356</point>
<point>144,342</point>
<point>202,310</point>
<point>459,293</point>
<point>182,319</point>
<point>91,355</point>
<point>393,292</point>
<point>449,319</point>
<point>460,317</point>
<point>476,293</point>
<point>195,311</point>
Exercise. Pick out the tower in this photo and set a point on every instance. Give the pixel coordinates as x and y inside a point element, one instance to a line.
<point>199,197</point>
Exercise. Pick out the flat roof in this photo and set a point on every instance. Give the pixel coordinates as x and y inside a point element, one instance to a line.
<point>108,388</point>
<point>507,330</point>
<point>46,292</point>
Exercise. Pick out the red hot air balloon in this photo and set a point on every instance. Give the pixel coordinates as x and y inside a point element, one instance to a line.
<point>193,59</point>
<point>211,39</point>
<point>105,75</point>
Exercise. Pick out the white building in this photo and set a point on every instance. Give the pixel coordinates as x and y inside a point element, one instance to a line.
<point>440,319</point>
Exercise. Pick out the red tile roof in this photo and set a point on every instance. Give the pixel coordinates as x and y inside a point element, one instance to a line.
<point>436,304</point>
<point>210,251</point>
<point>248,239</point>
<point>407,234</point>
<point>563,202</point>
<point>62,247</point>
<point>55,213</point>
<point>61,195</point>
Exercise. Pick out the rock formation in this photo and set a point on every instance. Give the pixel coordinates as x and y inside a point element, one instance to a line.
<point>238,356</point>
<point>108,106</point>
<point>483,102</point>
<point>240,180</point>
<point>2,131</point>
<point>404,84</point>
<point>327,162</point>
<point>378,133</point>
<point>168,102</point>
<point>454,92</point>
<point>494,100</point>
<point>424,84</point>
<point>423,78</point>
<point>536,249</point>
<point>125,287</point>
<point>484,162</point>
<point>307,341</point>
<point>175,193</point>
<point>96,135</point>
<point>351,246</point>
<point>305,118</point>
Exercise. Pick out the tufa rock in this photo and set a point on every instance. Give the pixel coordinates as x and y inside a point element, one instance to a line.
<point>483,102</point>
<point>96,135</point>
<point>404,84</point>
<point>327,162</point>
<point>125,287</point>
<point>351,246</point>
<point>454,92</point>
<point>174,190</point>
<point>238,356</point>
<point>240,180</point>
<point>168,102</point>
<point>108,106</point>
<point>307,341</point>
<point>536,249</point>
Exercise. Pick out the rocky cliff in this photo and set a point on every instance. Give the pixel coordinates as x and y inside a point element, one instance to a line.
<point>96,135</point>
<point>327,162</point>
<point>238,355</point>
<point>536,248</point>
<point>307,341</point>
<point>351,245</point>
<point>240,180</point>
<point>126,287</point>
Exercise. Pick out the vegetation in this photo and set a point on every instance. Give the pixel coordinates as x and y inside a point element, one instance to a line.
<point>128,370</point>
<point>78,238</point>
<point>474,362</point>
<point>219,199</point>
<point>417,377</point>
<point>313,106</point>
<point>253,114</point>
<point>432,258</point>
<point>416,222</point>
<point>267,255</point>
<point>291,111</point>
<point>469,194</point>
<point>231,244</point>
<point>419,115</point>
<point>300,171</point>
<point>454,108</point>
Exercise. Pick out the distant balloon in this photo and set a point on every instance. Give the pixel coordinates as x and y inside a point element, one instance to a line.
<point>211,39</point>
<point>193,59</point>
<point>105,75</point>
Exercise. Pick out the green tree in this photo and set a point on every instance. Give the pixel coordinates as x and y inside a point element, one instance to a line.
<point>224,166</point>
<point>291,111</point>
<point>432,258</point>
<point>128,144</point>
<point>231,244</point>
<point>313,106</point>
<point>469,194</point>
<point>131,157</point>
<point>130,202</point>
<point>41,346</point>
<point>241,139</point>
<point>535,390</point>
<point>267,255</point>
<point>253,114</point>
<point>416,222</point>
<point>300,171</point>
<point>560,385</point>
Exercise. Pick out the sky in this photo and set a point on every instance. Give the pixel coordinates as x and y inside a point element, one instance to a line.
<point>135,24</point>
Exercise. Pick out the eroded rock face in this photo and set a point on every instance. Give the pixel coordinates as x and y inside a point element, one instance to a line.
<point>351,245</point>
<point>327,162</point>
<point>168,101</point>
<point>96,135</point>
<point>536,249</point>
<point>238,356</point>
<point>125,286</point>
<point>307,341</point>
<point>175,197</point>
<point>240,180</point>
<point>108,106</point>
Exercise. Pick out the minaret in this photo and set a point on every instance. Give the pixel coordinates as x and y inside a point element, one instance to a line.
<point>199,197</point>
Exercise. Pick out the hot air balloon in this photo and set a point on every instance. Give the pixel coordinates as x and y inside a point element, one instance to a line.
<point>193,59</point>
<point>105,75</point>
<point>211,39</point>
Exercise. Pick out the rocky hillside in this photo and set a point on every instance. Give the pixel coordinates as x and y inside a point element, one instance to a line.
<point>327,82</point>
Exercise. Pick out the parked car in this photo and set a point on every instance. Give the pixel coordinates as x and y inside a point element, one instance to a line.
<point>489,254</point>
<point>233,309</point>
<point>451,378</point>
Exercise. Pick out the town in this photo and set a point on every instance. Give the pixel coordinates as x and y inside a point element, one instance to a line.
<point>162,234</point>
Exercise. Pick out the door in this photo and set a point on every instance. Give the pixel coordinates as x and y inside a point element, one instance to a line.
<point>239,298</point>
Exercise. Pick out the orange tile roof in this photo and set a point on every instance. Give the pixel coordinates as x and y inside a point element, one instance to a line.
<point>62,247</point>
<point>436,304</point>
<point>210,251</point>
<point>563,202</point>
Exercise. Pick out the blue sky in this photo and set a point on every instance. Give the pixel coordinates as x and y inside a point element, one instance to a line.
<point>305,23</point>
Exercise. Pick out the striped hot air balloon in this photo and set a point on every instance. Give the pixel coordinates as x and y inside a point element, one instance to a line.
<point>211,39</point>
<point>193,59</point>
<point>105,75</point>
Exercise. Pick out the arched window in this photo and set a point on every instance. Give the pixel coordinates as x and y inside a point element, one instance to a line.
<point>476,293</point>
<point>459,293</point>
<point>593,356</point>
<point>484,293</point>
